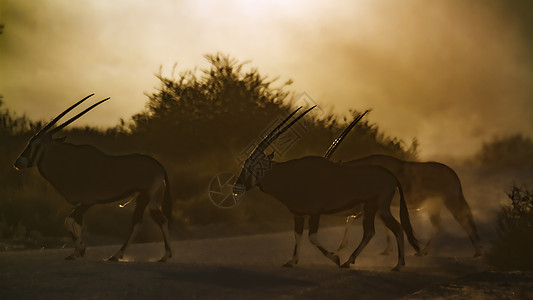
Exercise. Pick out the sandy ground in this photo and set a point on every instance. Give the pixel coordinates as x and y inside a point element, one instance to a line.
<point>249,268</point>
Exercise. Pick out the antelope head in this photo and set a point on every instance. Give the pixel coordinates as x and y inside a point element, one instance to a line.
<point>40,142</point>
<point>258,163</point>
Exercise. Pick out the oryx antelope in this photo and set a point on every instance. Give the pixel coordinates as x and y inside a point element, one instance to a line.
<point>85,176</point>
<point>428,185</point>
<point>311,186</point>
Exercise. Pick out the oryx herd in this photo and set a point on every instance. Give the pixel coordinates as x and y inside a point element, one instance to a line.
<point>309,187</point>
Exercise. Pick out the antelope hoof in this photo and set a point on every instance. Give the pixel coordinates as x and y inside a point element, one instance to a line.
<point>71,257</point>
<point>112,258</point>
<point>397,268</point>
<point>422,252</point>
<point>336,260</point>
<point>288,264</point>
<point>165,258</point>
<point>77,253</point>
<point>347,264</point>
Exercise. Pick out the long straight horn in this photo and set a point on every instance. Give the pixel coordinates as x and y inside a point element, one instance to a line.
<point>76,116</point>
<point>265,142</point>
<point>51,123</point>
<point>341,137</point>
<point>273,138</point>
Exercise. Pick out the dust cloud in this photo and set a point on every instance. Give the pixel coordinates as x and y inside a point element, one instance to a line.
<point>450,73</point>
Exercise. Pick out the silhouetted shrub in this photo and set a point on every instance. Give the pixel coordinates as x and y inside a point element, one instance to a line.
<point>515,151</point>
<point>515,232</point>
<point>197,125</point>
<point>205,122</point>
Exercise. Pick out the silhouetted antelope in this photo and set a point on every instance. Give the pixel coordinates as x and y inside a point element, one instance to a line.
<point>427,185</point>
<point>85,176</point>
<point>311,186</point>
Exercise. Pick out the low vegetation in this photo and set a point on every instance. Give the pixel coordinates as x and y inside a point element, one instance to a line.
<point>198,124</point>
<point>514,151</point>
<point>514,245</point>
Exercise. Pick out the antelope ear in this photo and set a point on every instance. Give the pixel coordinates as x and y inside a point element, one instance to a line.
<point>271,156</point>
<point>60,140</point>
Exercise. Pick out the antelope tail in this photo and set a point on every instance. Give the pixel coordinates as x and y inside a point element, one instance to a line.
<point>406,222</point>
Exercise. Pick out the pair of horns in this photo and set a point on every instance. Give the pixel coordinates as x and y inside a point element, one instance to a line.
<point>54,121</point>
<point>276,132</point>
<point>341,137</point>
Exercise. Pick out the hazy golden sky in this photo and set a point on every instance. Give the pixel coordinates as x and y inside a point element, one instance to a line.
<point>451,73</point>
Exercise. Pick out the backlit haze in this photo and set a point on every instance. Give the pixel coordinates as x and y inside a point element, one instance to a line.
<point>450,73</point>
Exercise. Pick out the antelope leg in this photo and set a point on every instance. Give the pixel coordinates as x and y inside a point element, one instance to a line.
<point>314,221</point>
<point>298,231</point>
<point>368,233</point>
<point>388,247</point>
<point>344,240</point>
<point>137,218</point>
<point>396,229</point>
<point>435,219</point>
<point>158,216</point>
<point>74,223</point>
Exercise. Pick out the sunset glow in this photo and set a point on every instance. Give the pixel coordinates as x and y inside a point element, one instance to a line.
<point>432,71</point>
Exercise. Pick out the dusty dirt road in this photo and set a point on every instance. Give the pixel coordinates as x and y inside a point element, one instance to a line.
<point>248,267</point>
